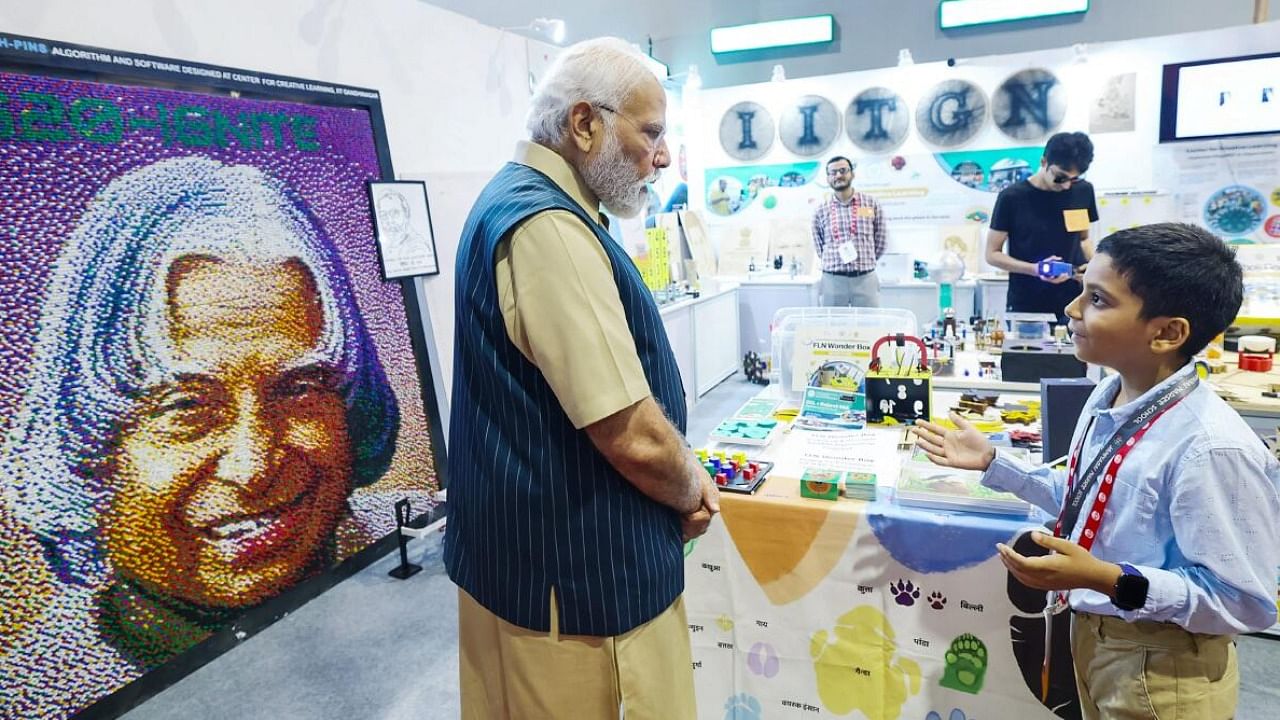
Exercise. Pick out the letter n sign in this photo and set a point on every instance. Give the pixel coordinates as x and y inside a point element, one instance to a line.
<point>1029,105</point>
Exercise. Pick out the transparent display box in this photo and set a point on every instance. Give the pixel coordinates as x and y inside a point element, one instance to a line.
<point>832,340</point>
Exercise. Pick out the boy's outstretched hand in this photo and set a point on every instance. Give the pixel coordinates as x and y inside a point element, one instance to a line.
<point>965,448</point>
<point>1068,567</point>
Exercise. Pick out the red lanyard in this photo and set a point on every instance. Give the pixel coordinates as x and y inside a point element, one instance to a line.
<point>836,226</point>
<point>1094,519</point>
<point>1106,465</point>
<point>1119,448</point>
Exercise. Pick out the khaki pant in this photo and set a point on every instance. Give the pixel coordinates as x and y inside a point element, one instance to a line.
<point>1149,670</point>
<point>506,671</point>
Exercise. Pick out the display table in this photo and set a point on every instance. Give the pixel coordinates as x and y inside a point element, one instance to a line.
<point>1241,389</point>
<point>762,294</point>
<point>921,298</point>
<point>801,607</point>
<point>993,293</point>
<point>703,333</point>
<point>967,361</point>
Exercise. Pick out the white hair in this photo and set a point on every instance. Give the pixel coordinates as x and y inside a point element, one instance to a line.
<point>104,333</point>
<point>601,71</point>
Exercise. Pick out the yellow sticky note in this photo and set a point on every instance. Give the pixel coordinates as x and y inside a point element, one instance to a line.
<point>866,211</point>
<point>1076,220</point>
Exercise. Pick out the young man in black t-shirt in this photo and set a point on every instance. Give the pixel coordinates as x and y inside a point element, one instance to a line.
<point>1046,217</point>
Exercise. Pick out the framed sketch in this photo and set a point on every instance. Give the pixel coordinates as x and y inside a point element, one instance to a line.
<point>402,219</point>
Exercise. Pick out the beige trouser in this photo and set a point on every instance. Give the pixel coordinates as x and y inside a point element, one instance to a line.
<point>1149,670</point>
<point>506,671</point>
<point>844,291</point>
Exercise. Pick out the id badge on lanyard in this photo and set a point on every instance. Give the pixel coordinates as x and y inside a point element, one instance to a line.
<point>842,236</point>
<point>1104,469</point>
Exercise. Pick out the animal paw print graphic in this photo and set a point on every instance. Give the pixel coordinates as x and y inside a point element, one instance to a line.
<point>763,660</point>
<point>966,665</point>
<point>956,714</point>
<point>904,592</point>
<point>742,707</point>
<point>937,601</point>
<point>858,666</point>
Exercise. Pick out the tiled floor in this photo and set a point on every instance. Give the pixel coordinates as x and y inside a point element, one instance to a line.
<point>377,648</point>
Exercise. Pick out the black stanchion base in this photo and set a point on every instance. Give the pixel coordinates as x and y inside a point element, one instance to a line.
<point>404,572</point>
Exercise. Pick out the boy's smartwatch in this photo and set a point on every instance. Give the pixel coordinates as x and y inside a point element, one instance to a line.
<point>1130,592</point>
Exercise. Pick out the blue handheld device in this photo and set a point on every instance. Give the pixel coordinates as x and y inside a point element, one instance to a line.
<point>1053,268</point>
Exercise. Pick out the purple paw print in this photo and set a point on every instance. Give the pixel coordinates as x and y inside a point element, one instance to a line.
<point>937,601</point>
<point>904,592</point>
<point>763,660</point>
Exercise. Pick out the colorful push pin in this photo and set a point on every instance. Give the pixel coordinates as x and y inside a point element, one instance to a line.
<point>702,455</point>
<point>740,458</point>
<point>720,455</point>
<point>722,479</point>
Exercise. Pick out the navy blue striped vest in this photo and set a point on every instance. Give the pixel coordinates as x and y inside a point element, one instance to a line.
<point>532,503</point>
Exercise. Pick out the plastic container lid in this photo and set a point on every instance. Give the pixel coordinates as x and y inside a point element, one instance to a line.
<point>863,325</point>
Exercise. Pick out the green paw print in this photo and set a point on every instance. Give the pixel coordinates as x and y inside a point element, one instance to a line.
<point>966,665</point>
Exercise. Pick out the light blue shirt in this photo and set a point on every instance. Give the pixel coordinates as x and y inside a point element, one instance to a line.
<point>1195,508</point>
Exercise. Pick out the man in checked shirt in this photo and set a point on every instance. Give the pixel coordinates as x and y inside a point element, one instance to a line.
<point>849,234</point>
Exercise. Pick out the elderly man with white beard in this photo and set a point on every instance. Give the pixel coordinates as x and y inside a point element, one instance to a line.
<point>571,488</point>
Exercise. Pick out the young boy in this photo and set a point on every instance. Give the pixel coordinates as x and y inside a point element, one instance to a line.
<point>1162,576</point>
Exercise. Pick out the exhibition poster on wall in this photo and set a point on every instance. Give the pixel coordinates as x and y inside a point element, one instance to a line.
<point>208,393</point>
<point>1231,187</point>
<point>1261,265</point>
<point>935,188</point>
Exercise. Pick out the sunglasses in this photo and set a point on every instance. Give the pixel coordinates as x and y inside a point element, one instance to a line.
<point>1065,179</point>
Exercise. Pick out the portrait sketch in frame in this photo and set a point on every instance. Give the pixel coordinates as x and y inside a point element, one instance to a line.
<point>403,222</point>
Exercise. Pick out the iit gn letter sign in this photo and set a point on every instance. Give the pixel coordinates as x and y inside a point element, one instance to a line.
<point>810,125</point>
<point>746,131</point>
<point>951,113</point>
<point>1029,105</point>
<point>877,120</point>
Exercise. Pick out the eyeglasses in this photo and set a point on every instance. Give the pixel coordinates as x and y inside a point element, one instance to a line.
<point>839,171</point>
<point>654,132</point>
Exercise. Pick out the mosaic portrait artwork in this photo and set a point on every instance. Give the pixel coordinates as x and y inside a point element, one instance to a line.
<point>208,394</point>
